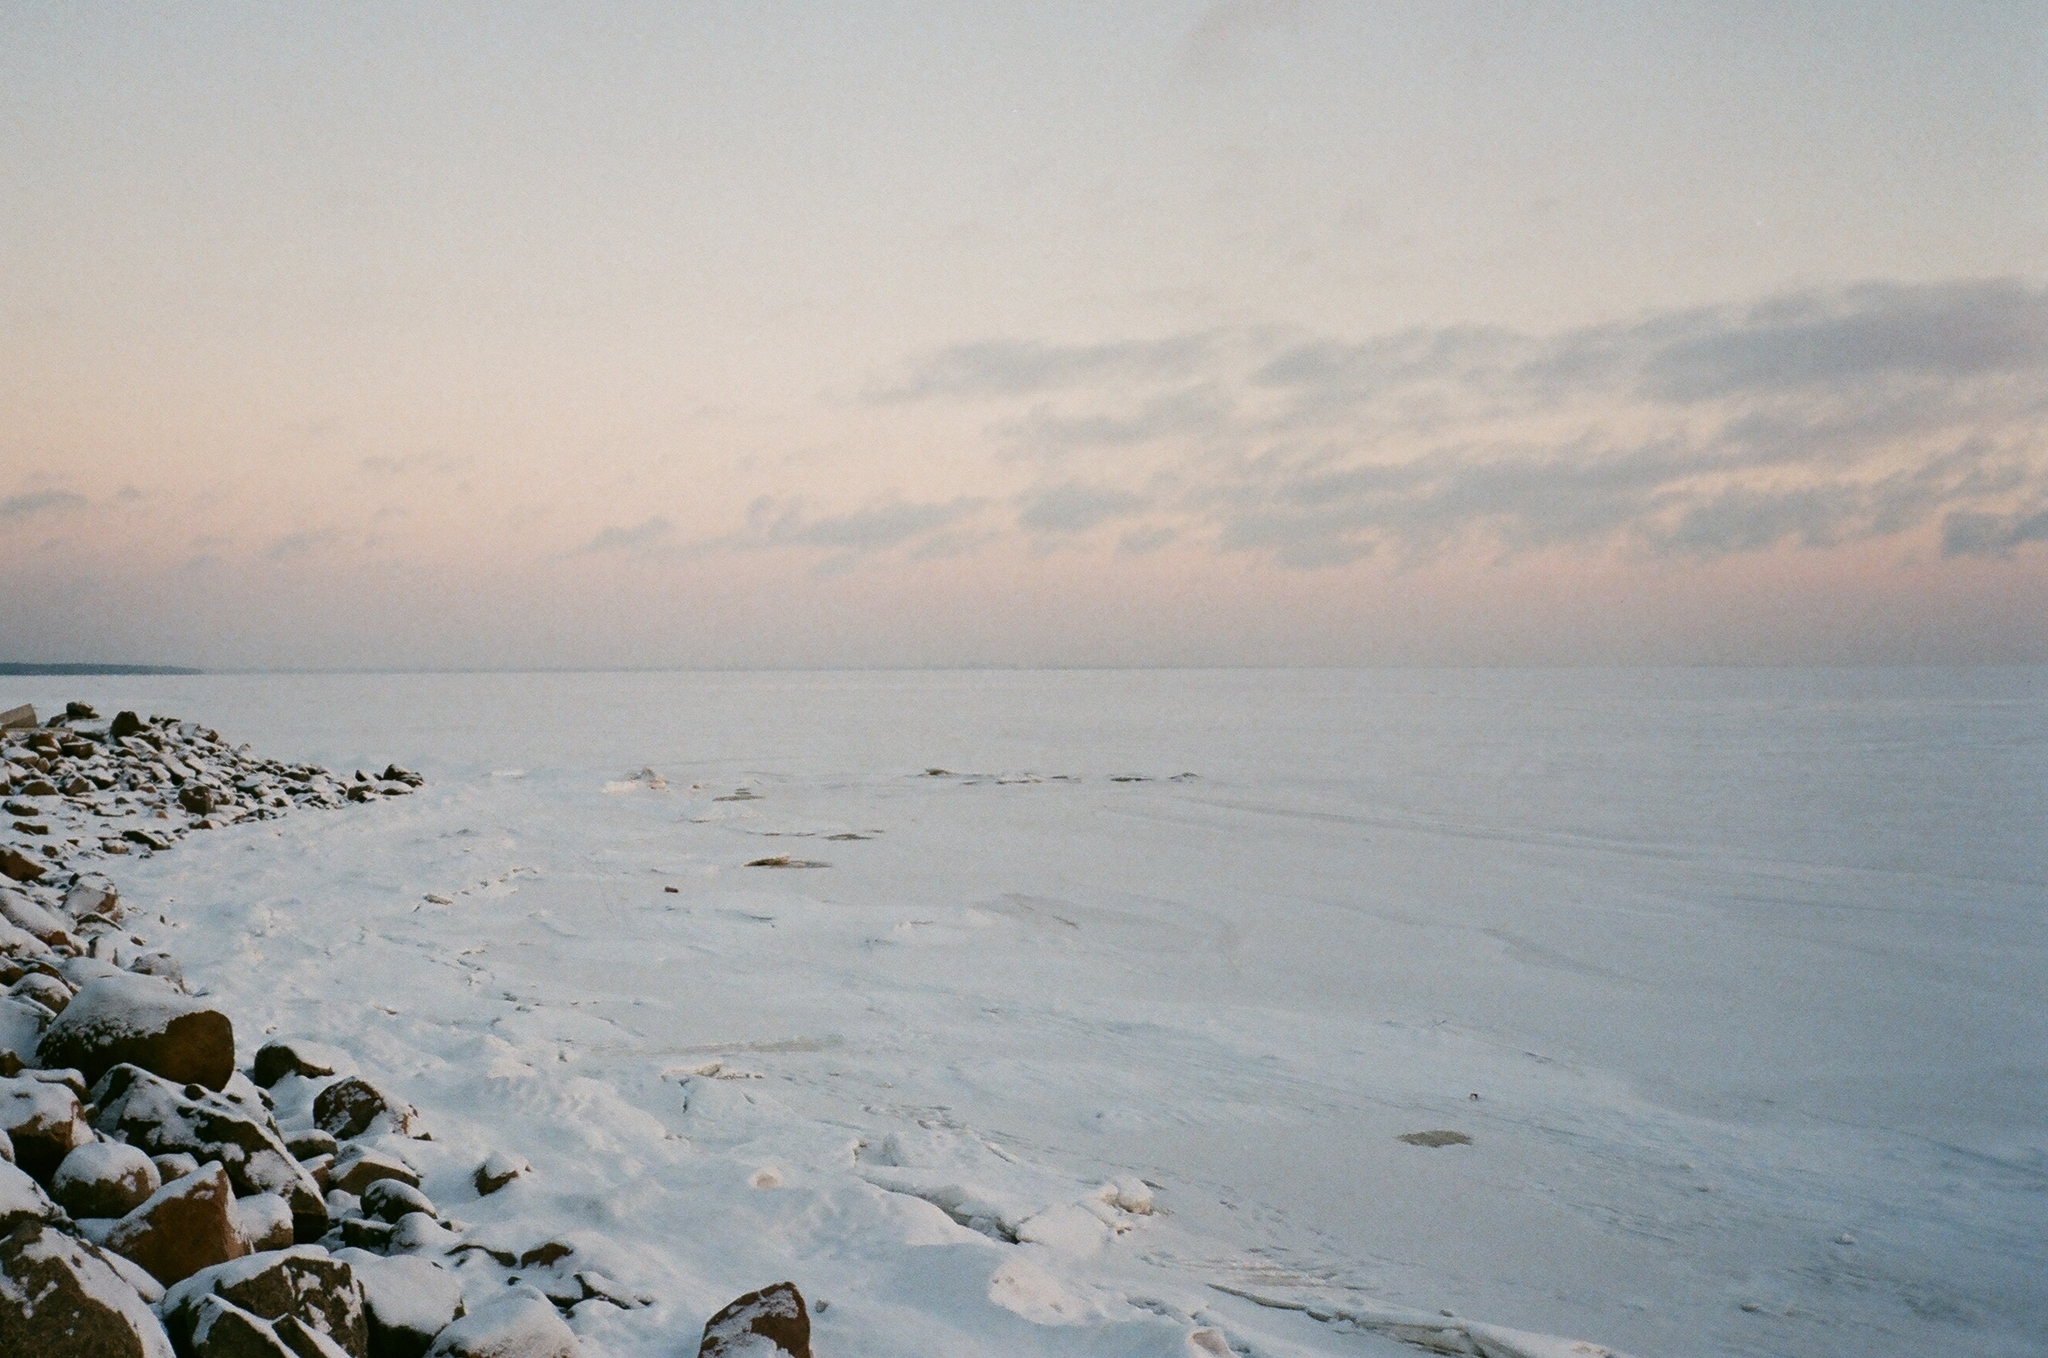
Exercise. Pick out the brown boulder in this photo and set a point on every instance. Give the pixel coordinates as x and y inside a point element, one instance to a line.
<point>44,1120</point>
<point>520,1324</point>
<point>63,1298</point>
<point>141,1021</point>
<point>353,1106</point>
<point>304,1282</point>
<point>275,1060</point>
<point>357,1167</point>
<point>776,1314</point>
<point>184,1227</point>
<point>105,1179</point>
<point>19,866</point>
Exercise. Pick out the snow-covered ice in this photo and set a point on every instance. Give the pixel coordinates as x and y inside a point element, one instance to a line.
<point>1083,1012</point>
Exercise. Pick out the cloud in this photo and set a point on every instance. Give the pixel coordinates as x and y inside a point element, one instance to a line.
<point>644,536</point>
<point>874,529</point>
<point>31,503</point>
<point>1813,419</point>
<point>1003,367</point>
<point>1076,507</point>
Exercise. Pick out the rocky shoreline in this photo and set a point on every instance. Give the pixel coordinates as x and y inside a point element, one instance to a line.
<point>158,1198</point>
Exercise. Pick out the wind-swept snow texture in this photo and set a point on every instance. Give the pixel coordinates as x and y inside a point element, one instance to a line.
<point>1734,980</point>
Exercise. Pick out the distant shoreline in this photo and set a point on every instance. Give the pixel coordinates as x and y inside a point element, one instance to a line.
<point>24,670</point>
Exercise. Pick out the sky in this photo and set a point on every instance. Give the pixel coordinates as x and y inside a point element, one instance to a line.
<point>1256,332</point>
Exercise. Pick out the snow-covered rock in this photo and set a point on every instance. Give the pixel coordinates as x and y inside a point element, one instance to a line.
<point>63,1298</point>
<point>409,1300</point>
<point>105,1179</point>
<point>352,1107</point>
<point>305,1281</point>
<point>142,1021</point>
<point>521,1323</point>
<point>760,1324</point>
<point>184,1227</point>
<point>44,1120</point>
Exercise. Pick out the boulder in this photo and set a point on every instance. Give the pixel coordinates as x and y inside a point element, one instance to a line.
<point>44,1120</point>
<point>306,1342</point>
<point>408,1301</point>
<point>22,1021</point>
<point>390,1199</point>
<point>775,1314</point>
<point>63,1298</point>
<point>305,1282</point>
<point>161,965</point>
<point>357,1167</point>
<point>18,866</point>
<point>221,1329</point>
<point>22,1200</point>
<point>311,1144</point>
<point>104,1179</point>
<point>142,1021</point>
<point>97,897</point>
<point>351,1107</point>
<point>44,989</point>
<point>519,1324</point>
<point>123,724</point>
<point>23,717</point>
<point>197,798</point>
<point>185,1226</point>
<point>163,1118</point>
<point>498,1169</point>
<point>176,1165</point>
<point>265,1222</point>
<point>32,919</point>
<point>275,1060</point>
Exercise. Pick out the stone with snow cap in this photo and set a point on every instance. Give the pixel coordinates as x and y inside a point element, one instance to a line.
<point>498,1169</point>
<point>24,914</point>
<point>409,1300</point>
<point>772,1320</point>
<point>105,1179</point>
<point>305,1281</point>
<point>265,1222</point>
<point>357,1167</point>
<point>22,1200</point>
<point>186,1226</point>
<point>352,1107</point>
<point>521,1323</point>
<point>44,989</point>
<point>44,1120</point>
<point>221,1329</point>
<point>61,1297</point>
<point>141,1021</point>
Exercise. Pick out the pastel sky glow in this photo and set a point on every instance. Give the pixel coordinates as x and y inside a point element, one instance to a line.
<point>1165,333</point>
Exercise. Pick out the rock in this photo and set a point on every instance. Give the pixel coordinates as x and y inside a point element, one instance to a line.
<point>104,1179</point>
<point>95,898</point>
<point>498,1169</point>
<point>221,1329</point>
<point>24,914</point>
<point>63,1298</point>
<point>196,798</point>
<point>141,1021</point>
<point>419,1233</point>
<point>123,724</point>
<point>161,965</point>
<point>390,1199</point>
<point>44,1120</point>
<point>311,1144</point>
<point>162,1118</point>
<point>185,1226</point>
<point>148,839</point>
<point>306,1342</point>
<point>22,1200</point>
<point>22,1021</point>
<point>275,1060</point>
<point>408,1301</point>
<point>80,711</point>
<point>520,1324</point>
<point>357,1167</point>
<point>6,1149</point>
<point>351,1107</point>
<point>44,989</point>
<point>305,1282</point>
<point>18,866</point>
<point>776,1314</point>
<point>361,1233</point>
<point>23,717</point>
<point>176,1165</point>
<point>265,1222</point>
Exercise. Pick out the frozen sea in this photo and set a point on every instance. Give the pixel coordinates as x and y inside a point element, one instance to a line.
<point>1736,980</point>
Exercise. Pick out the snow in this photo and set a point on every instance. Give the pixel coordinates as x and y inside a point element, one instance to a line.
<point>1745,968</point>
